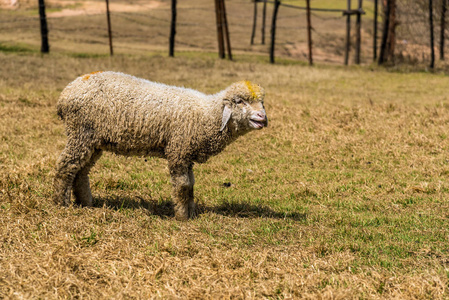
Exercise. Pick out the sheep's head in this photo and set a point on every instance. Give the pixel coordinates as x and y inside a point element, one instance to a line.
<point>243,104</point>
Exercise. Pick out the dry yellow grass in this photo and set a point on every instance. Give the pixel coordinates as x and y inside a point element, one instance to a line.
<point>342,196</point>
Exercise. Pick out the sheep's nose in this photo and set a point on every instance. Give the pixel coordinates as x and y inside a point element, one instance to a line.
<point>262,115</point>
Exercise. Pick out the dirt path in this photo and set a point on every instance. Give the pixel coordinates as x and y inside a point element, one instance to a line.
<point>76,8</point>
<point>94,7</point>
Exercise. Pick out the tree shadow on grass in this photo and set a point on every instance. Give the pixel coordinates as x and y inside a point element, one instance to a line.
<point>164,208</point>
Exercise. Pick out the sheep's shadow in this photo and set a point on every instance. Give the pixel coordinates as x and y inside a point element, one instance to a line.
<point>246,210</point>
<point>164,208</point>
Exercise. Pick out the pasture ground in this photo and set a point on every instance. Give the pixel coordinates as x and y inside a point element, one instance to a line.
<point>344,195</point>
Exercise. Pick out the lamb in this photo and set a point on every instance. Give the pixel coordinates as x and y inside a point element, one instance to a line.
<point>111,111</point>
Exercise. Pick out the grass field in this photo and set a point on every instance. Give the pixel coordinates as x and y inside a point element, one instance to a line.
<point>344,195</point>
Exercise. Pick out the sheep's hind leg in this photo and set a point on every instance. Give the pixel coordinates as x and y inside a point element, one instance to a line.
<point>81,185</point>
<point>182,191</point>
<point>72,159</point>
<point>191,201</point>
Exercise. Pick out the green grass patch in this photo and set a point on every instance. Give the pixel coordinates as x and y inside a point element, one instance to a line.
<point>17,48</point>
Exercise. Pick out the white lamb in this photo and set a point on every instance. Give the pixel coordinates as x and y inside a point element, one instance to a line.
<point>132,116</point>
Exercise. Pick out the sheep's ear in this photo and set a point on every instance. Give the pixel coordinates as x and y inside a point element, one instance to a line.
<point>226,117</point>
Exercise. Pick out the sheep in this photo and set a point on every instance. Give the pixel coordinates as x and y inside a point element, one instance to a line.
<point>126,115</point>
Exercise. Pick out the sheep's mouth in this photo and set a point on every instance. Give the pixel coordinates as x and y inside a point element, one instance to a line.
<point>256,124</point>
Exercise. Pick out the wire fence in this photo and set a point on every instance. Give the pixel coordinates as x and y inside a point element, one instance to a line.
<point>139,27</point>
<point>413,30</point>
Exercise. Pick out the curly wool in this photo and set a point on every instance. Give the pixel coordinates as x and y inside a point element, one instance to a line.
<point>132,116</point>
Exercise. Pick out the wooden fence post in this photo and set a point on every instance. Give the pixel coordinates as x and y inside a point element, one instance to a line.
<point>219,20</point>
<point>432,49</point>
<point>388,43</point>
<point>253,33</point>
<point>45,48</point>
<point>375,30</point>
<point>359,33</point>
<point>111,50</point>
<point>442,27</point>
<point>171,51</point>
<point>386,26</point>
<point>226,29</point>
<point>264,15</point>
<point>309,32</point>
<point>348,34</point>
<point>273,29</point>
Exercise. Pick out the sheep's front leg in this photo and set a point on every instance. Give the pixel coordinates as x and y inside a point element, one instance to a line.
<point>183,181</point>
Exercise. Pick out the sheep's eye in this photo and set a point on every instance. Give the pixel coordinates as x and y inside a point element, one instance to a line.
<point>238,100</point>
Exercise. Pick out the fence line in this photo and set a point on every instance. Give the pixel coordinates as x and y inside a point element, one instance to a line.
<point>291,29</point>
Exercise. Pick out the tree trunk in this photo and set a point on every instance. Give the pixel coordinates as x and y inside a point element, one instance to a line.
<point>348,34</point>
<point>442,27</point>
<point>111,49</point>
<point>219,19</point>
<point>359,34</point>
<point>432,45</point>
<point>376,5</point>
<point>264,17</point>
<point>391,42</point>
<point>226,29</point>
<point>45,48</point>
<point>253,33</point>
<point>273,30</point>
<point>172,29</point>
<point>309,32</point>
<point>388,43</point>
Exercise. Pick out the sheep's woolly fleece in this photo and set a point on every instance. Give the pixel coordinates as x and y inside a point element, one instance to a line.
<point>132,116</point>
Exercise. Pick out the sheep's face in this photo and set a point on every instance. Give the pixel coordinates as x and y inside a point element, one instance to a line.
<point>243,104</point>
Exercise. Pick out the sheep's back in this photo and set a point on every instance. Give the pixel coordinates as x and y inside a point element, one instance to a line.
<point>124,110</point>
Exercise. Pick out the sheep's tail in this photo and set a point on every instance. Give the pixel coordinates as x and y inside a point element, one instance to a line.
<point>60,114</point>
<point>61,105</point>
<point>60,109</point>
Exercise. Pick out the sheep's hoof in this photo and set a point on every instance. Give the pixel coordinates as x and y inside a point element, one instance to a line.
<point>62,198</point>
<point>192,210</point>
<point>84,200</point>
<point>184,212</point>
<point>58,201</point>
<point>180,217</point>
